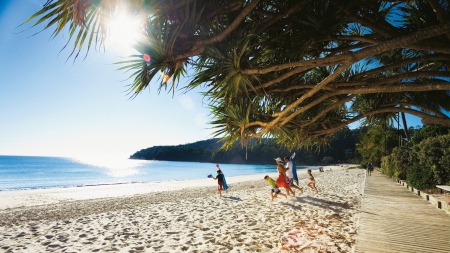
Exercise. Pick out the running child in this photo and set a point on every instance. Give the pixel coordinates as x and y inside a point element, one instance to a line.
<point>312,181</point>
<point>274,191</point>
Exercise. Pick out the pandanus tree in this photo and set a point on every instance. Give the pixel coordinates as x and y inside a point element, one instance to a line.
<point>287,69</point>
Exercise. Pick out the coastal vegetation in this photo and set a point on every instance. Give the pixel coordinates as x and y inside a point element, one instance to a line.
<point>340,149</point>
<point>295,71</point>
<point>424,162</point>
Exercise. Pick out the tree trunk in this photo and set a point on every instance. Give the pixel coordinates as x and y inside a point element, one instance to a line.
<point>405,126</point>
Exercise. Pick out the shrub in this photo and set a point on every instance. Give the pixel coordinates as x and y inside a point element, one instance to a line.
<point>420,177</point>
<point>433,154</point>
<point>327,160</point>
<point>401,159</point>
<point>429,163</point>
<point>388,166</point>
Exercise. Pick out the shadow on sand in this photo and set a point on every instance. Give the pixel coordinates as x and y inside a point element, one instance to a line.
<point>232,198</point>
<point>337,207</point>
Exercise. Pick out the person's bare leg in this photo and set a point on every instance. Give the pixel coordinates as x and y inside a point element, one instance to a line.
<point>271,195</point>
<point>290,191</point>
<point>315,188</point>
<point>309,184</point>
<point>298,188</point>
<point>287,192</point>
<point>283,194</point>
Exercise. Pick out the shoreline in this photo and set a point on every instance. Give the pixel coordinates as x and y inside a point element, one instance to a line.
<point>43,196</point>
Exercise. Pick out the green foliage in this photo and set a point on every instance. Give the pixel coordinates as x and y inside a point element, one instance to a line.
<point>376,142</point>
<point>425,164</point>
<point>430,164</point>
<point>433,154</point>
<point>420,177</point>
<point>256,152</point>
<point>428,131</point>
<point>341,146</point>
<point>328,160</point>
<point>401,157</point>
<point>285,70</point>
<point>388,166</point>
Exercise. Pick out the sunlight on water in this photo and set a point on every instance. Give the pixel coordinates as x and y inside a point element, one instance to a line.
<point>117,167</point>
<point>28,172</point>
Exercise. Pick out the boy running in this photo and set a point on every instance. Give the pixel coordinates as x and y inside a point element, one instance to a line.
<point>274,191</point>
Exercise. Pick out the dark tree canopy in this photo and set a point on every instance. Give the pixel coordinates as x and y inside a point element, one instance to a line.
<point>341,149</point>
<point>295,70</point>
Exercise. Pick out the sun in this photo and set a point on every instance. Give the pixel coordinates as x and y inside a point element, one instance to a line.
<point>123,32</point>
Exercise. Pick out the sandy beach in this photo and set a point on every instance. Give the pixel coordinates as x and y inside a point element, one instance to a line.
<point>186,216</point>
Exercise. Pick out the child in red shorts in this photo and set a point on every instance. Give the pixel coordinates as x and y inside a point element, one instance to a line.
<point>220,179</point>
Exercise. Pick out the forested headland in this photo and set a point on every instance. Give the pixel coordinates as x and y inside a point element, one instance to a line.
<point>381,145</point>
<point>340,149</point>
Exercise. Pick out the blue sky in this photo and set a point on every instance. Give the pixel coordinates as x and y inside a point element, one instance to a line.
<point>52,108</point>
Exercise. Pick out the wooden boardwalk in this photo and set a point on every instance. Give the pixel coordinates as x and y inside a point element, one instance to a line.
<point>393,219</point>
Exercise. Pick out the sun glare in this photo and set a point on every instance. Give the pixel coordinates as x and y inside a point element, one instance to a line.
<point>123,32</point>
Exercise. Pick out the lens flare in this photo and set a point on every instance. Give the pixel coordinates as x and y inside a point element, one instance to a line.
<point>146,57</point>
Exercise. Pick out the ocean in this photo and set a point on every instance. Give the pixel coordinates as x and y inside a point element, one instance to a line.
<point>34,172</point>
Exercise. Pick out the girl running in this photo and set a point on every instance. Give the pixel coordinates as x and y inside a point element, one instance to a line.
<point>312,181</point>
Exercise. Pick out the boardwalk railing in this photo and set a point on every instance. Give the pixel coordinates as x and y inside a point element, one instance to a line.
<point>394,220</point>
<point>440,202</point>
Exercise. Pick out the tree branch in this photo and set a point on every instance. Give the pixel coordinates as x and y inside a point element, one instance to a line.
<point>384,89</point>
<point>297,87</point>
<point>399,42</point>
<point>199,45</point>
<point>356,38</point>
<point>370,73</point>
<point>440,13</point>
<point>308,94</point>
<point>395,78</point>
<point>426,108</point>
<point>323,112</point>
<point>425,117</point>
<point>277,17</point>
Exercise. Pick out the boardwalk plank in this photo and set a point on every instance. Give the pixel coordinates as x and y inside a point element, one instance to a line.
<point>393,219</point>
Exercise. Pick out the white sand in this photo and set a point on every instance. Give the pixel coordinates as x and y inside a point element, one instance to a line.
<point>12,199</point>
<point>185,216</point>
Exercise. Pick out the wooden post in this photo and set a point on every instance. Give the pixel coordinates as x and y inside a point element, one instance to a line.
<point>428,197</point>
<point>418,193</point>
<point>439,205</point>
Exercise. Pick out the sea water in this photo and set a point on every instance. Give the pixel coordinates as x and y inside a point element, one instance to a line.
<point>33,172</point>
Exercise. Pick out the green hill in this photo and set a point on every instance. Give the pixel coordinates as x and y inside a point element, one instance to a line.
<point>341,149</point>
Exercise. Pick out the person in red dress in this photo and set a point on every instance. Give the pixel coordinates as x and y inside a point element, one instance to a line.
<point>282,180</point>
